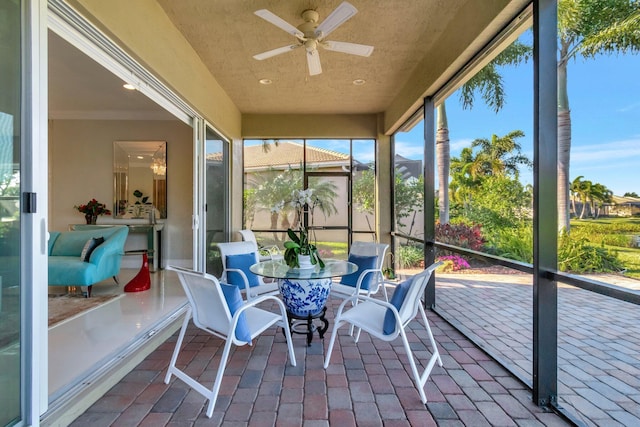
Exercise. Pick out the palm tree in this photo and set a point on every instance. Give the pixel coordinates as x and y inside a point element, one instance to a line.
<point>487,167</point>
<point>499,156</point>
<point>488,83</point>
<point>585,194</point>
<point>443,161</point>
<point>587,28</point>
<point>575,192</point>
<point>599,195</point>
<point>462,178</point>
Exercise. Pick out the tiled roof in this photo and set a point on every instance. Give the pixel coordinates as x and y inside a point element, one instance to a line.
<point>289,153</point>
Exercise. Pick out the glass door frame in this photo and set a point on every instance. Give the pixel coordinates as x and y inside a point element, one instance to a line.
<point>349,226</point>
<point>200,248</point>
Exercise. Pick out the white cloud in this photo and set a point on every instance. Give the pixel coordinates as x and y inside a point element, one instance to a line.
<point>410,150</point>
<point>457,145</point>
<point>415,150</point>
<point>615,150</point>
<point>630,107</point>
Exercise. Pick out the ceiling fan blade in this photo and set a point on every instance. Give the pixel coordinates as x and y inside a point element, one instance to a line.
<point>335,19</point>
<point>352,48</point>
<point>279,22</point>
<point>274,52</point>
<point>313,62</point>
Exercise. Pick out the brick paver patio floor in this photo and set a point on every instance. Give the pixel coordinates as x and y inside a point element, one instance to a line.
<point>367,384</point>
<point>598,340</point>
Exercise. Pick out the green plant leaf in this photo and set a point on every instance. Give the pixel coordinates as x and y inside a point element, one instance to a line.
<point>293,236</point>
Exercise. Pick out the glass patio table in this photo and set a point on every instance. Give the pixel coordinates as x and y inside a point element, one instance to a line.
<point>305,291</point>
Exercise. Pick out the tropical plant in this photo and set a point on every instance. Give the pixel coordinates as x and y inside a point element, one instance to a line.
<point>410,256</point>
<point>512,242</point>
<point>364,195</point>
<point>587,28</point>
<point>501,202</point>
<point>249,208</point>
<point>460,235</point>
<point>409,199</point>
<point>273,190</point>
<point>485,187</point>
<point>592,196</point>
<point>300,245</point>
<point>488,83</point>
<point>499,155</point>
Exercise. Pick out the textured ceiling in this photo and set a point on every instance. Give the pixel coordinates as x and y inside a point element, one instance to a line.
<point>226,35</point>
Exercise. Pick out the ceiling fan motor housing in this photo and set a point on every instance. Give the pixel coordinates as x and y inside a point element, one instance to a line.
<point>308,27</point>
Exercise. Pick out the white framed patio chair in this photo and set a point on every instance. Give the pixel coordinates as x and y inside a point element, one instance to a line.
<point>219,310</point>
<point>265,253</point>
<point>388,320</point>
<point>236,258</point>
<point>369,256</point>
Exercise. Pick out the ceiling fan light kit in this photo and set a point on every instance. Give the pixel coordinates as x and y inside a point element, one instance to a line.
<point>310,35</point>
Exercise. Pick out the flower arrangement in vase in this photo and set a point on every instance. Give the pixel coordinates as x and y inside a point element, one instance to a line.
<point>92,209</point>
<point>299,248</point>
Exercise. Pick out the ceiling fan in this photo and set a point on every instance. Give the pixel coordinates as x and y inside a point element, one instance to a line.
<point>310,35</point>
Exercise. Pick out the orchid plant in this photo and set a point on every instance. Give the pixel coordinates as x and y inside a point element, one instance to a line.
<point>299,243</point>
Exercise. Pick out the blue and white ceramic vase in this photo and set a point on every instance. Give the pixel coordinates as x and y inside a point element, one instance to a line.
<point>305,297</point>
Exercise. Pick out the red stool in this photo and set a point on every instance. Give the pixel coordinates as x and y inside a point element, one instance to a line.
<point>142,281</point>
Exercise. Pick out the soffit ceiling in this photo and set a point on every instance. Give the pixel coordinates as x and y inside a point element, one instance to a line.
<point>226,34</point>
<point>80,88</point>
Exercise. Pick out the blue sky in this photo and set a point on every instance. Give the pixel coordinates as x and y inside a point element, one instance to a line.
<point>604,97</point>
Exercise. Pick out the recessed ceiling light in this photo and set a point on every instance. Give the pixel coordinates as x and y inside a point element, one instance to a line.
<point>140,157</point>
<point>265,81</point>
<point>129,86</point>
<point>359,82</point>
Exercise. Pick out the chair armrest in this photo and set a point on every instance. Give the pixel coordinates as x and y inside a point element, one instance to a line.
<point>252,303</point>
<point>225,274</point>
<point>364,273</point>
<point>361,298</point>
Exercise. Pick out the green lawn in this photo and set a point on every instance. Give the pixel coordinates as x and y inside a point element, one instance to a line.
<point>631,259</point>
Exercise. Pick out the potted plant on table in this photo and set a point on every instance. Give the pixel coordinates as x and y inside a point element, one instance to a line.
<point>299,251</point>
<point>92,209</point>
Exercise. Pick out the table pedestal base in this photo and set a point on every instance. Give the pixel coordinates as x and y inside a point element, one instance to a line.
<point>305,325</point>
<point>142,281</point>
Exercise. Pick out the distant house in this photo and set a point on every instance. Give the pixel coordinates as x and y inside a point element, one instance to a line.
<point>408,168</point>
<point>289,154</point>
<point>622,206</point>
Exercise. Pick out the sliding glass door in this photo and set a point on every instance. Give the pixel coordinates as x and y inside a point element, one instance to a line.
<point>10,292</point>
<point>216,199</point>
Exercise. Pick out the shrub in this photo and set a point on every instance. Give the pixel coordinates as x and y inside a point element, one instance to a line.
<point>461,235</point>
<point>409,256</point>
<point>514,243</point>
<point>452,263</point>
<point>577,255</point>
